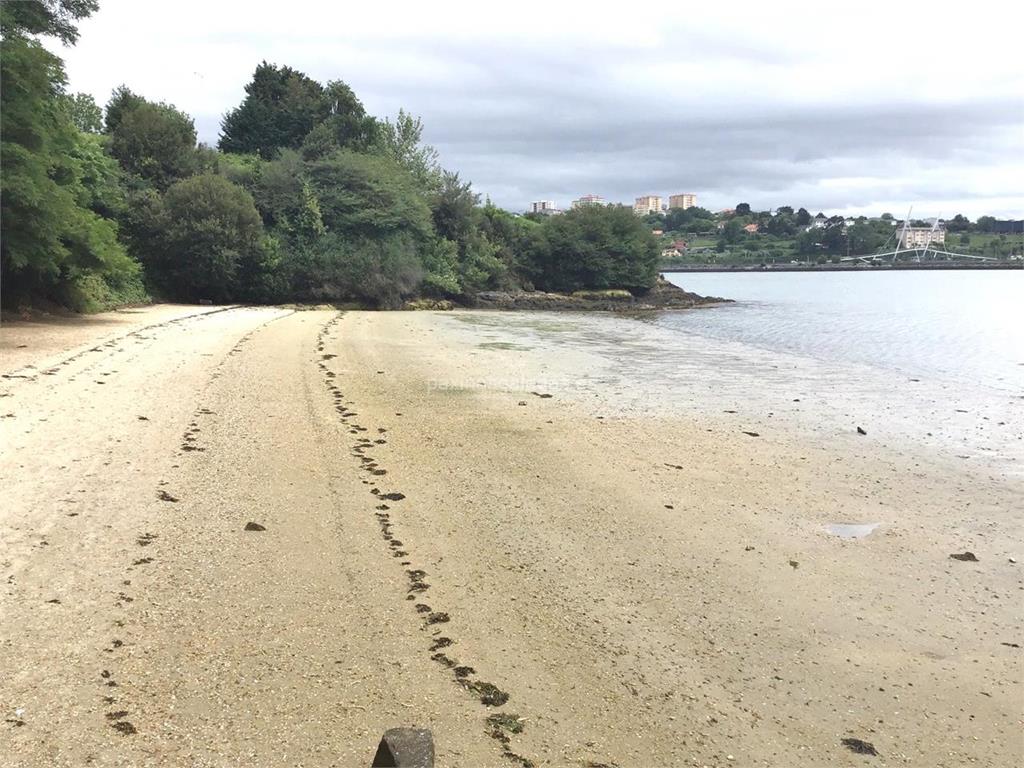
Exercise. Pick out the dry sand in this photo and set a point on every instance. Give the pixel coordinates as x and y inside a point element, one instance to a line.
<point>646,591</point>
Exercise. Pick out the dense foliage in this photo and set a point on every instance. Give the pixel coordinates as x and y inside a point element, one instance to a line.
<point>309,198</point>
<point>594,247</point>
<point>58,185</point>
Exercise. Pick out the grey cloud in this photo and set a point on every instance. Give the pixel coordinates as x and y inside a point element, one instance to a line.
<point>532,122</point>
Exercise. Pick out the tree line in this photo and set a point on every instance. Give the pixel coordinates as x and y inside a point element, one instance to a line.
<point>786,232</point>
<point>306,197</point>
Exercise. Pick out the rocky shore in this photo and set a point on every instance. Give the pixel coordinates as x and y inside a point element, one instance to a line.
<point>664,295</point>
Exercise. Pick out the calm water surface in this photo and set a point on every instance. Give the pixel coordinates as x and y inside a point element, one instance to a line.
<point>962,326</point>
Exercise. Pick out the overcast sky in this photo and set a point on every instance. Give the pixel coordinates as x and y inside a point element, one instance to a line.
<point>872,108</point>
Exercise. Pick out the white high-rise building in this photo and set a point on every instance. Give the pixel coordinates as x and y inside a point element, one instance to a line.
<point>922,237</point>
<point>545,207</point>
<point>684,200</point>
<point>647,204</point>
<point>588,200</point>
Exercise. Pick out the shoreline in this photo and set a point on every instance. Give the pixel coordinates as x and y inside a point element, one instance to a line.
<point>655,515</point>
<point>645,587</point>
<point>839,267</point>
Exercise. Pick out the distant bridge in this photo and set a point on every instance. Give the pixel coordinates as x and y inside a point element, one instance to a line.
<point>927,253</point>
<point>916,253</point>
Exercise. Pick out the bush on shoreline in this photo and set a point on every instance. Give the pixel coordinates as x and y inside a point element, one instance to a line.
<point>309,198</point>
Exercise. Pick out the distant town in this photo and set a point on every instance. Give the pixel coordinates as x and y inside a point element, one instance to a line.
<point>694,236</point>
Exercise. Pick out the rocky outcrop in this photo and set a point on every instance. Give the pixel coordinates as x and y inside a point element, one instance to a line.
<point>664,295</point>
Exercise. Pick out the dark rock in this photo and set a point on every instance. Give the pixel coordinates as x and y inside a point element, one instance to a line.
<point>965,557</point>
<point>752,434</point>
<point>663,295</point>
<point>254,527</point>
<point>405,748</point>
<point>860,746</point>
<point>860,431</point>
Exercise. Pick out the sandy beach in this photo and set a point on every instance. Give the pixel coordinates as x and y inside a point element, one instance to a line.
<point>456,525</point>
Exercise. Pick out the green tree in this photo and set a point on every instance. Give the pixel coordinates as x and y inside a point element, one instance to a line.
<point>378,231</point>
<point>803,217</point>
<point>285,109</point>
<point>807,243</point>
<point>402,142</point>
<point>593,247</point>
<point>85,115</point>
<point>733,232</point>
<point>368,195</point>
<point>380,270</point>
<point>441,268</point>
<point>834,235</point>
<point>51,242</point>
<point>344,126</point>
<point>52,18</point>
<point>456,218</point>
<point>985,224</point>
<point>863,238</point>
<point>280,108</point>
<point>743,209</point>
<point>781,225</point>
<point>286,200</point>
<point>211,242</point>
<point>509,234</point>
<point>155,142</point>
<point>958,223</point>
<point>101,187</point>
<point>121,102</point>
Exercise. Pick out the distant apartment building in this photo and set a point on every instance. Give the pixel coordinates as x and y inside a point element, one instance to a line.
<point>647,204</point>
<point>586,200</point>
<point>544,207</point>
<point>683,201</point>
<point>922,237</point>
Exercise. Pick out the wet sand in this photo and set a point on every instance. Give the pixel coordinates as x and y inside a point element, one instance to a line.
<point>443,542</point>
